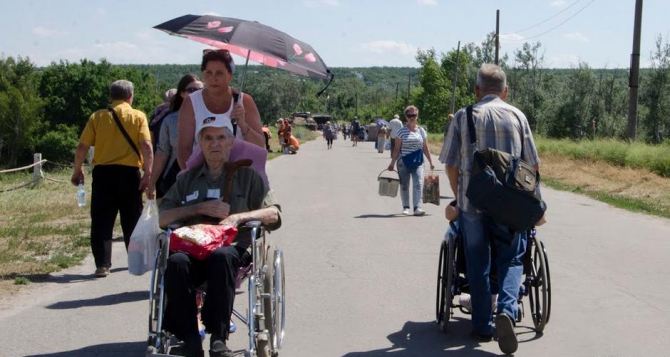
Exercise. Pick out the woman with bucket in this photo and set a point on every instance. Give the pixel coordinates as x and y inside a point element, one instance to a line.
<point>409,149</point>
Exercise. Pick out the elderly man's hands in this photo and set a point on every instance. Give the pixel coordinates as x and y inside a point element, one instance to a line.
<point>214,208</point>
<point>233,220</point>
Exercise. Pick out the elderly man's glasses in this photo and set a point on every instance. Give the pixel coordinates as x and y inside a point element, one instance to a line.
<point>411,115</point>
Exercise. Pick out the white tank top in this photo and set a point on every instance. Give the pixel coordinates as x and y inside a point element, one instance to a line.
<point>201,112</point>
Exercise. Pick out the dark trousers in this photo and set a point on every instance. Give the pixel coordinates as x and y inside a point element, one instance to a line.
<point>114,190</point>
<point>184,274</point>
<point>267,141</point>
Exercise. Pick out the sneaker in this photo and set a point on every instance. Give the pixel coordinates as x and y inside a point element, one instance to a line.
<point>218,348</point>
<point>419,212</point>
<point>505,333</point>
<point>405,211</point>
<point>465,301</point>
<point>101,272</point>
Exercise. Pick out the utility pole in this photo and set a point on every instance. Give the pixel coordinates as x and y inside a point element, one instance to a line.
<point>497,34</point>
<point>633,79</point>
<point>453,87</point>
<point>397,86</point>
<point>409,83</point>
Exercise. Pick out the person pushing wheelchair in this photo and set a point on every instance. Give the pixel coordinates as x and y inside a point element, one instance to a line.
<point>196,198</point>
<point>500,126</point>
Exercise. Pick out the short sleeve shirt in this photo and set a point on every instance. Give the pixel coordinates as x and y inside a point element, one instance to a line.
<point>498,125</point>
<point>248,193</point>
<point>411,140</point>
<point>111,147</point>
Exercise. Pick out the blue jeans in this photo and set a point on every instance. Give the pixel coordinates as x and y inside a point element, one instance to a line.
<point>509,265</point>
<point>417,185</point>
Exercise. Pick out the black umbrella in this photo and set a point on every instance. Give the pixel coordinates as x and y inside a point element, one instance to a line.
<point>252,40</point>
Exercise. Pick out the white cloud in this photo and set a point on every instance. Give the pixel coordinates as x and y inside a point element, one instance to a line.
<point>427,2</point>
<point>42,31</point>
<point>576,36</point>
<point>557,3</point>
<point>318,3</point>
<point>511,38</point>
<point>101,11</point>
<point>389,47</point>
<point>563,61</point>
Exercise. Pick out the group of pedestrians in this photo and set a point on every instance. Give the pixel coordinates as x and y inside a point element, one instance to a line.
<point>200,126</point>
<point>206,118</point>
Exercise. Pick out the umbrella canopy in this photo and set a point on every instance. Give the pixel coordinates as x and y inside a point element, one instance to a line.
<point>252,40</point>
<point>381,122</point>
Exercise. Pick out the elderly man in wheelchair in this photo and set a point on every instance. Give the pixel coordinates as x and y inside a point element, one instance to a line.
<point>218,192</point>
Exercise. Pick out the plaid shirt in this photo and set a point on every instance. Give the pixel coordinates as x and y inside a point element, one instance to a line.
<point>497,127</point>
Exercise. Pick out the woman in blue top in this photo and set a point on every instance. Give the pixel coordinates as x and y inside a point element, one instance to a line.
<point>411,146</point>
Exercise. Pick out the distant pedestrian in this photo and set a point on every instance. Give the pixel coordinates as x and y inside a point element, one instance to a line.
<point>120,135</point>
<point>410,148</point>
<point>394,125</point>
<point>268,136</point>
<point>159,114</point>
<point>381,138</point>
<point>328,134</point>
<point>355,129</point>
<point>166,167</point>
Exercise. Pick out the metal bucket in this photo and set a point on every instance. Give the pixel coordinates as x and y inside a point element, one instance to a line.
<point>388,186</point>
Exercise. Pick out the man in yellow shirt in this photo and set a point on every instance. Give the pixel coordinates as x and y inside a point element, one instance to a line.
<point>118,157</point>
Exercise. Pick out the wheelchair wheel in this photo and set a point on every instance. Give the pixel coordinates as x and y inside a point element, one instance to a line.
<point>158,341</point>
<point>446,273</point>
<point>540,287</point>
<point>275,305</point>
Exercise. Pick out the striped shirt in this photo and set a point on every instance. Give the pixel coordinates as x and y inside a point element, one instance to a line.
<point>411,140</point>
<point>496,126</point>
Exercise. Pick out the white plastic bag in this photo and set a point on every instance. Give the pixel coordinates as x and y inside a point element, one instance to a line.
<point>143,245</point>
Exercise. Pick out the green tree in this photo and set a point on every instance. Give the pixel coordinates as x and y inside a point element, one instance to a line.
<point>20,110</point>
<point>656,95</point>
<point>433,97</point>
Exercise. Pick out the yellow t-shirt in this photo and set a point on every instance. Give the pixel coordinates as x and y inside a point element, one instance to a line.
<point>111,148</point>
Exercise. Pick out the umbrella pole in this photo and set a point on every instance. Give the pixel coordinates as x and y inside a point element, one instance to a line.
<point>244,74</point>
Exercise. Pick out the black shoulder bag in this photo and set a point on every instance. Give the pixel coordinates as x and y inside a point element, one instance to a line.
<point>504,187</point>
<point>124,132</point>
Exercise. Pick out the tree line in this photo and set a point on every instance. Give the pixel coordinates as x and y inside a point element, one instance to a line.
<point>43,109</point>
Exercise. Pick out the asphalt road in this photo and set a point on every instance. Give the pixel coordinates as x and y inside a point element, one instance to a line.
<point>360,277</point>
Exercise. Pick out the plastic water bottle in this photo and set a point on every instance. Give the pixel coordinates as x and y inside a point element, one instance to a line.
<point>81,195</point>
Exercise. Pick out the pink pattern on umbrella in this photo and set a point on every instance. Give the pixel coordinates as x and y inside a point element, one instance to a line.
<point>310,57</point>
<point>226,29</point>
<point>213,24</point>
<point>258,57</point>
<point>297,49</point>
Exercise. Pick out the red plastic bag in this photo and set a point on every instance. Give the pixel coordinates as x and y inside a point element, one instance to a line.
<point>200,240</point>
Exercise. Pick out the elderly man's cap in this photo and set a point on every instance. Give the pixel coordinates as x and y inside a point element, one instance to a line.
<point>215,122</point>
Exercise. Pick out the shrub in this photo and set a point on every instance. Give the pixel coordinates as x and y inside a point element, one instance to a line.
<point>59,144</point>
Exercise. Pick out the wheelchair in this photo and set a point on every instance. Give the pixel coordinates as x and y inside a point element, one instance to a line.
<point>452,281</point>
<point>265,316</point>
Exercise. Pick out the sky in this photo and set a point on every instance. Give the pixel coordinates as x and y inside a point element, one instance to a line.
<point>345,33</point>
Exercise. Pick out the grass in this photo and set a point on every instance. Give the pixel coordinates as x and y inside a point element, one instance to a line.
<point>634,176</point>
<point>42,230</point>
<point>655,158</point>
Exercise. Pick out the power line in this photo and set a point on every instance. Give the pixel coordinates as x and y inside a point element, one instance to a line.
<point>564,21</point>
<point>548,18</point>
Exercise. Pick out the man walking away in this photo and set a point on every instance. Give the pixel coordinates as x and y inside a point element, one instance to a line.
<point>120,135</point>
<point>500,126</point>
<point>395,124</point>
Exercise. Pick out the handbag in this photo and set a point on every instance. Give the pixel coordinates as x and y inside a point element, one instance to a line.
<point>504,187</point>
<point>143,245</point>
<point>413,160</point>
<point>431,188</point>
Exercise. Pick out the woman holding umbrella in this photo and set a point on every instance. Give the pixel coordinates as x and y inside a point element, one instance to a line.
<point>217,100</point>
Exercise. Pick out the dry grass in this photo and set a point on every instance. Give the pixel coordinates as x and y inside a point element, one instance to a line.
<point>42,228</point>
<point>631,188</point>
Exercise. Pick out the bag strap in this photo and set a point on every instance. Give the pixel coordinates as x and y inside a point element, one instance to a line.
<point>124,132</point>
<point>471,125</point>
<point>236,97</point>
<point>473,133</point>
